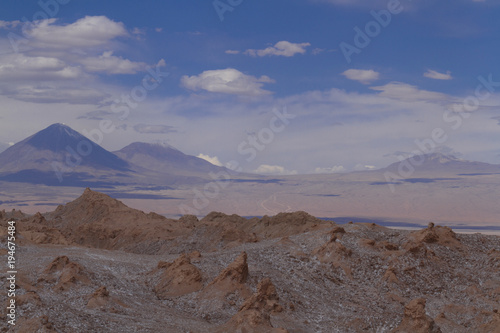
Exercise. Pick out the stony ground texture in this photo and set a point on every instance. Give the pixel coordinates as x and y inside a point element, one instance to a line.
<point>96,265</point>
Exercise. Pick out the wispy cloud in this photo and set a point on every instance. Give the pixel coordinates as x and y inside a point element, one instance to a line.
<point>110,64</point>
<point>266,169</point>
<point>227,81</point>
<point>438,76</point>
<point>51,62</point>
<point>283,48</point>
<point>154,129</point>
<point>333,169</point>
<point>361,75</point>
<point>214,160</point>
<point>406,92</point>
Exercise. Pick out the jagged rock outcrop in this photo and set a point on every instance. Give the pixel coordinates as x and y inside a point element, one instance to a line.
<point>99,298</point>
<point>64,274</point>
<point>102,300</point>
<point>233,277</point>
<point>434,234</point>
<point>335,254</point>
<point>178,278</point>
<point>415,320</point>
<point>254,314</point>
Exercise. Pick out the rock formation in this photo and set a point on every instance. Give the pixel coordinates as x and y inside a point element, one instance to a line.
<point>178,278</point>
<point>415,319</point>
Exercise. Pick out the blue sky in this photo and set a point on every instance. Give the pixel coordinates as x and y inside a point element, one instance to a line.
<point>71,61</point>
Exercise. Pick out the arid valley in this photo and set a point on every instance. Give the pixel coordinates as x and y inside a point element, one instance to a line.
<point>87,262</point>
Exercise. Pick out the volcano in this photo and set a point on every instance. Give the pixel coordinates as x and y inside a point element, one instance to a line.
<point>165,158</point>
<point>442,163</point>
<point>58,155</point>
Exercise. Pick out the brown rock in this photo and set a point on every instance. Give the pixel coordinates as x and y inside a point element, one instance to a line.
<point>332,251</point>
<point>367,242</point>
<point>254,315</point>
<point>236,272</point>
<point>415,319</point>
<point>390,275</point>
<point>38,218</point>
<point>31,297</point>
<point>435,234</point>
<point>99,298</point>
<point>232,280</point>
<point>388,246</point>
<point>102,300</point>
<point>64,273</point>
<point>178,278</point>
<point>38,324</point>
<point>492,326</point>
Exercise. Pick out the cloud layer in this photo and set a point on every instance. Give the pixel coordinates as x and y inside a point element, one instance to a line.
<point>49,62</point>
<point>363,76</point>
<point>438,76</point>
<point>227,81</point>
<point>283,48</point>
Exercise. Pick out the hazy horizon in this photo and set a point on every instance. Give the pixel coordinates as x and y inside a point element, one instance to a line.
<point>362,85</point>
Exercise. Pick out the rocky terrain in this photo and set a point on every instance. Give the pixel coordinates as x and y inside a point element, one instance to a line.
<point>96,265</point>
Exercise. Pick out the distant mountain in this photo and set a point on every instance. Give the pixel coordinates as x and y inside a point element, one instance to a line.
<point>3,146</point>
<point>58,155</point>
<point>439,162</point>
<point>164,158</point>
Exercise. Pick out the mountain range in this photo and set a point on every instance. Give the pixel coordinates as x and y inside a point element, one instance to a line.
<point>50,167</point>
<point>60,156</point>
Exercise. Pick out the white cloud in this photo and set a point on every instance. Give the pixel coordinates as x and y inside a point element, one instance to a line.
<point>52,93</point>
<point>361,75</point>
<point>333,169</point>
<point>266,169</point>
<point>61,63</point>
<point>9,24</point>
<point>214,160</point>
<point>438,76</point>
<point>139,31</point>
<point>282,48</point>
<point>362,167</point>
<point>86,32</point>
<point>232,52</point>
<point>110,64</point>
<point>317,51</point>
<point>407,92</point>
<point>18,67</point>
<point>227,81</point>
<point>154,129</point>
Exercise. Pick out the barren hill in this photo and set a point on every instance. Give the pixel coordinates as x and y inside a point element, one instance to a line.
<point>165,159</point>
<point>96,265</point>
